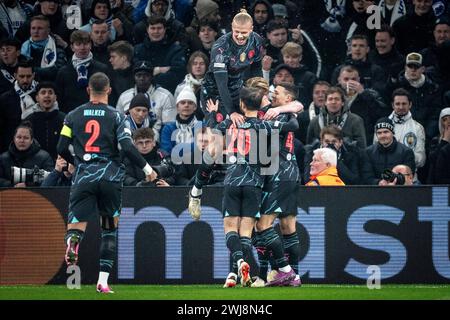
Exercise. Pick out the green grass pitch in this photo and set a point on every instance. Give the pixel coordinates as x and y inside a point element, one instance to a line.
<point>216,292</point>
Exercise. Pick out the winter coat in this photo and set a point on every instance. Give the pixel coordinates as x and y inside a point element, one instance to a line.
<point>392,62</point>
<point>351,124</point>
<point>162,104</point>
<point>414,33</point>
<point>175,31</point>
<point>33,156</point>
<point>382,158</point>
<point>46,128</point>
<point>426,103</point>
<point>371,75</point>
<point>47,73</point>
<point>70,94</point>
<point>10,117</point>
<point>370,107</point>
<point>163,54</point>
<point>439,159</point>
<point>190,125</point>
<point>134,174</point>
<point>411,134</point>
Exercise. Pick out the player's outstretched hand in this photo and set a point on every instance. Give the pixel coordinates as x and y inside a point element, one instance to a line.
<point>212,106</point>
<point>237,118</point>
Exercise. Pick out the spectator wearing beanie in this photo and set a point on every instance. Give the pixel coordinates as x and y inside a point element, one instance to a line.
<point>181,131</point>
<point>162,102</point>
<point>387,152</point>
<point>140,115</point>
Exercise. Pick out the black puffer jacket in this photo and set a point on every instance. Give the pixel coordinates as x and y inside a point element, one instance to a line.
<point>426,103</point>
<point>33,156</point>
<point>134,174</point>
<point>382,158</point>
<point>46,128</point>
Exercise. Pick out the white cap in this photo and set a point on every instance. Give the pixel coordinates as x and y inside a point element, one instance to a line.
<point>187,94</point>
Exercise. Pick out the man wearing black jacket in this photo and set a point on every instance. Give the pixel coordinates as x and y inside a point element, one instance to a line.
<point>387,152</point>
<point>46,118</point>
<point>72,79</point>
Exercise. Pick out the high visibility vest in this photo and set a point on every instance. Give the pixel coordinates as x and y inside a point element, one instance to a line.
<point>328,177</point>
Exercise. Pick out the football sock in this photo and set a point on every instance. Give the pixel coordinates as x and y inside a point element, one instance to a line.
<point>107,250</point>
<point>73,232</point>
<point>195,192</point>
<point>246,244</point>
<point>273,243</point>
<point>103,278</point>
<point>292,249</point>
<point>202,175</point>
<point>263,256</point>
<point>235,247</point>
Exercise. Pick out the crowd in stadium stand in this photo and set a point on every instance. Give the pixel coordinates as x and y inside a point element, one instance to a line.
<point>373,77</point>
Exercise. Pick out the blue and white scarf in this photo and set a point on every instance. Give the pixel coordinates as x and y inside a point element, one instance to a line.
<point>49,50</point>
<point>337,11</point>
<point>81,66</point>
<point>398,11</point>
<point>26,101</point>
<point>8,76</point>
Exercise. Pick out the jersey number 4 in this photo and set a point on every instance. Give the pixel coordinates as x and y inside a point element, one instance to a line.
<point>92,127</point>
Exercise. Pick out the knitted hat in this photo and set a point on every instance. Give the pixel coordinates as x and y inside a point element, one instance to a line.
<point>140,100</point>
<point>187,94</point>
<point>205,7</point>
<point>279,10</point>
<point>384,123</point>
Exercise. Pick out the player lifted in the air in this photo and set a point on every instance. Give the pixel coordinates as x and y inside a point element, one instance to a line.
<point>94,130</point>
<point>235,56</point>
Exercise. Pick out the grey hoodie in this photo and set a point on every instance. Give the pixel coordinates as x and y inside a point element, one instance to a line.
<point>169,12</point>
